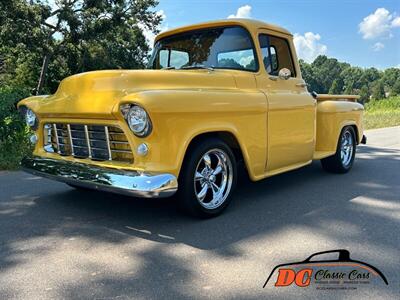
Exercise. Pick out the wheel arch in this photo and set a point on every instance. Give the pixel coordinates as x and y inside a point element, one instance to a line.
<point>352,124</point>
<point>347,124</point>
<point>356,132</point>
<point>226,136</point>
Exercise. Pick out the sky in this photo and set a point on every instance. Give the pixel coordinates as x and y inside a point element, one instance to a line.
<point>363,33</point>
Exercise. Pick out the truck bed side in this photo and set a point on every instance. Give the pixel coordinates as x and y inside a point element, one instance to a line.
<point>333,113</point>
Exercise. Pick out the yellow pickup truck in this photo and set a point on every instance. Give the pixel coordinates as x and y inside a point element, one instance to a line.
<point>214,94</point>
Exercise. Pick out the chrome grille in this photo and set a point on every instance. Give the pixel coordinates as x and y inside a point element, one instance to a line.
<point>96,142</point>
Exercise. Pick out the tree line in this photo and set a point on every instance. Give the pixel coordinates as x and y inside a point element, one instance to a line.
<point>329,76</point>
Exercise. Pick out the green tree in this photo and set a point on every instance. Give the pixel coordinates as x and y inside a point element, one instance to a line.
<point>307,73</point>
<point>352,79</point>
<point>326,71</point>
<point>390,77</point>
<point>395,91</point>
<point>369,76</point>
<point>378,90</point>
<point>348,89</point>
<point>364,94</point>
<point>335,88</point>
<point>76,35</point>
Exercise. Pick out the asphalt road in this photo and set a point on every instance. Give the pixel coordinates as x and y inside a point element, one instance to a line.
<point>58,243</point>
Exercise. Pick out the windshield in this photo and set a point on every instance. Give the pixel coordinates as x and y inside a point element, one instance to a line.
<point>217,48</point>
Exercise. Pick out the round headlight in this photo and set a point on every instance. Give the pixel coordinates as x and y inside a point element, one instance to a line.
<point>138,121</point>
<point>30,118</point>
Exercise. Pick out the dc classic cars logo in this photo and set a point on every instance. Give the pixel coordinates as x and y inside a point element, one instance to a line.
<point>340,273</point>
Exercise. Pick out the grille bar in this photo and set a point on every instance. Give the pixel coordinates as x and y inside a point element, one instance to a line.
<point>95,142</point>
<point>121,151</point>
<point>108,142</point>
<point>70,139</point>
<point>88,141</point>
<point>56,135</point>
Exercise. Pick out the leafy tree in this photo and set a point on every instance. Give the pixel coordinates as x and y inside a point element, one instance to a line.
<point>395,91</point>
<point>352,78</point>
<point>335,88</point>
<point>77,35</point>
<point>390,77</point>
<point>364,94</point>
<point>326,71</point>
<point>348,90</point>
<point>370,75</point>
<point>378,90</point>
<point>307,73</point>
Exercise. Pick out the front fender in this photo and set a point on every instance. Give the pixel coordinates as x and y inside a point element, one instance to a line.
<point>178,116</point>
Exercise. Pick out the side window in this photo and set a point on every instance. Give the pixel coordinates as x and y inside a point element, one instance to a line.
<point>276,54</point>
<point>172,58</point>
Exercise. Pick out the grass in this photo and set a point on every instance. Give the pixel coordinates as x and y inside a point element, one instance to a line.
<point>382,113</point>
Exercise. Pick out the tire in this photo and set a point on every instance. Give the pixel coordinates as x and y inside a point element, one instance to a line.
<point>207,178</point>
<point>342,161</point>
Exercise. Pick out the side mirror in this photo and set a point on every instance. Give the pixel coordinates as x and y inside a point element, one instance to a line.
<point>284,74</point>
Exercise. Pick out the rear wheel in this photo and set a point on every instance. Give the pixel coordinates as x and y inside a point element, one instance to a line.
<point>207,178</point>
<point>342,161</point>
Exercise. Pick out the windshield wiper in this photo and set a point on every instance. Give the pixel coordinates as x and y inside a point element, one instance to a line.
<point>193,67</point>
<point>168,68</point>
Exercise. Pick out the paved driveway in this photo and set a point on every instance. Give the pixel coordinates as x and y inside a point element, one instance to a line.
<point>56,242</point>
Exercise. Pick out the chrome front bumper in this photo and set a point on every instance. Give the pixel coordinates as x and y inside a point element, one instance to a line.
<point>133,183</point>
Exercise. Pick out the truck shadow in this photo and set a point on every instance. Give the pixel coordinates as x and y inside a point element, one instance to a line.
<point>307,198</point>
<point>257,208</point>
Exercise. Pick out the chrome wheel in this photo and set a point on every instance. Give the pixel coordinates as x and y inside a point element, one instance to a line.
<point>347,148</point>
<point>213,179</point>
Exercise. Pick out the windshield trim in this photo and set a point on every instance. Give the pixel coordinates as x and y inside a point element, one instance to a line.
<point>253,45</point>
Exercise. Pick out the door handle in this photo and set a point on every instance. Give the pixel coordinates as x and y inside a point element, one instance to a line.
<point>302,84</point>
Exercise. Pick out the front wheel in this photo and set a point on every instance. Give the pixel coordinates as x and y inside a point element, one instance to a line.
<point>207,178</point>
<point>342,161</point>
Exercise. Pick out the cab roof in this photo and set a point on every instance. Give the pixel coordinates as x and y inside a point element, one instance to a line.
<point>250,24</point>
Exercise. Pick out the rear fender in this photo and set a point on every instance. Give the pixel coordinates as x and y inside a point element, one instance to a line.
<point>332,117</point>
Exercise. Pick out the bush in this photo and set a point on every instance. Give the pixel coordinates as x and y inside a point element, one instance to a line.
<point>14,142</point>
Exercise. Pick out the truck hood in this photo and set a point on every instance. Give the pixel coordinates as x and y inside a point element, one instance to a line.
<point>94,94</point>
